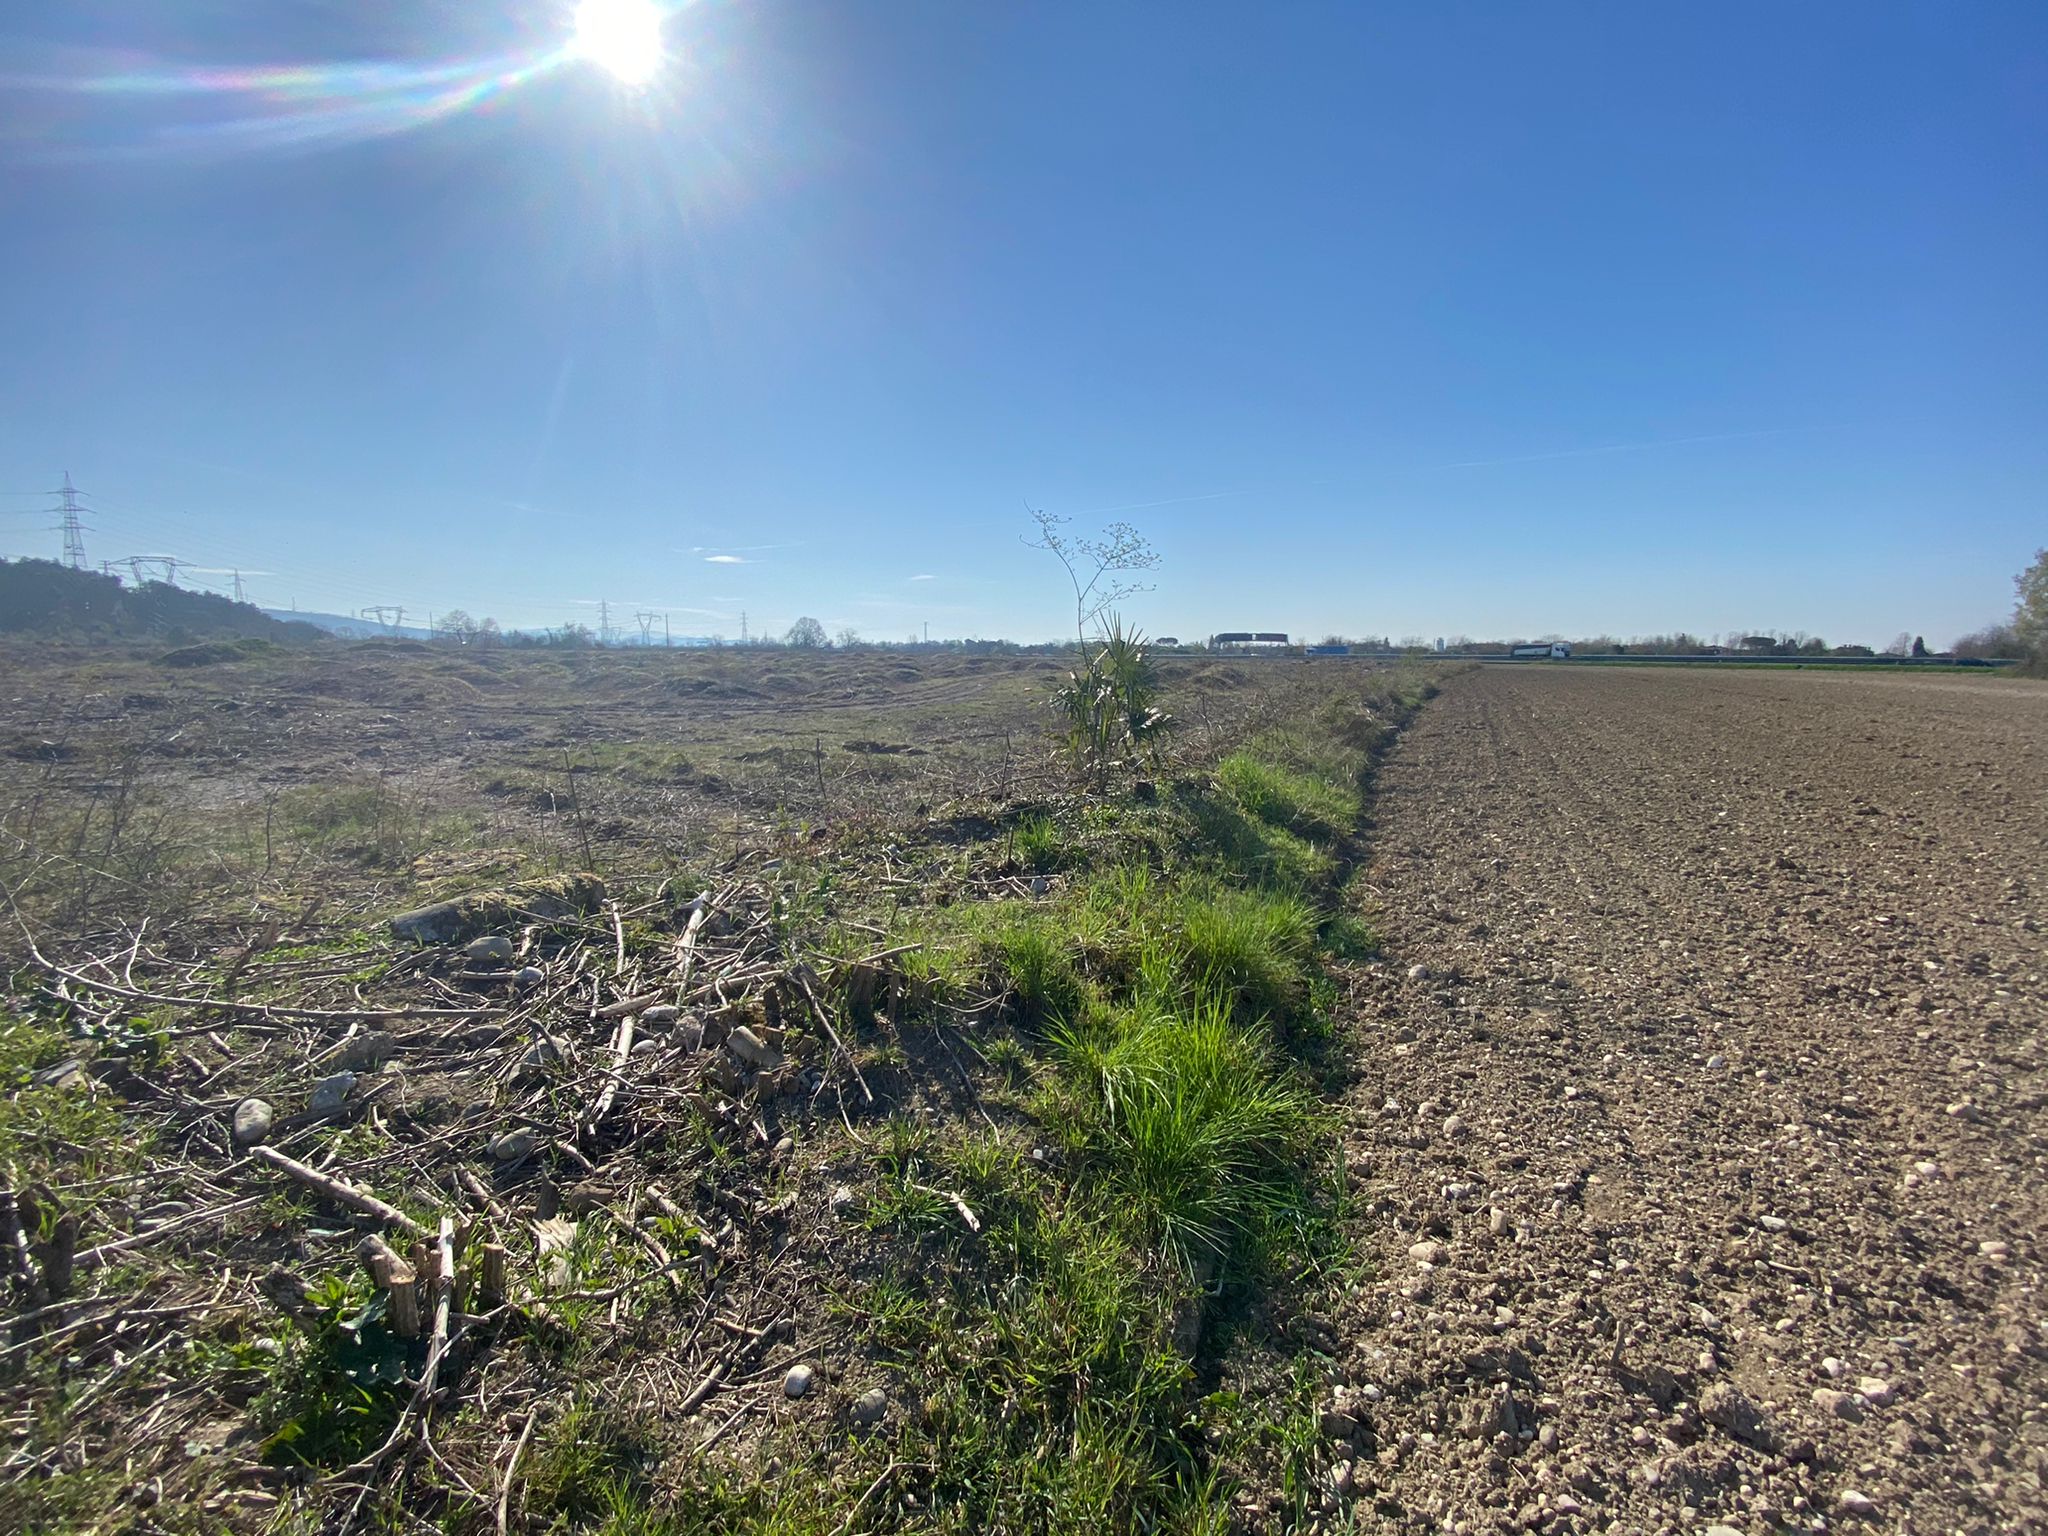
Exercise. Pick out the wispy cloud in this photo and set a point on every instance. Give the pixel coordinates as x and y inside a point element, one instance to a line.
<point>724,560</point>
<point>1605,448</point>
<point>1170,501</point>
<point>921,578</point>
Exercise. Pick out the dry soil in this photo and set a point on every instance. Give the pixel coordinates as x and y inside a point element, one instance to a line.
<point>1699,1131</point>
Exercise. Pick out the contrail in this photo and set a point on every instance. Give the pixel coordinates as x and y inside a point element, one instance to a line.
<point>1140,506</point>
<point>1587,453</point>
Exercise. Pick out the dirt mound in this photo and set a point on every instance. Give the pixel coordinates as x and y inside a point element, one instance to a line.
<point>707,688</point>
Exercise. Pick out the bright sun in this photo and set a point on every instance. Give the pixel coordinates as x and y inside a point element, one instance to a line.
<point>621,36</point>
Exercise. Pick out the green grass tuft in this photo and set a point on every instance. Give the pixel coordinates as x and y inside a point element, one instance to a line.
<point>1039,844</point>
<point>1037,963</point>
<point>1306,804</point>
<point>1254,947</point>
<point>1187,1117</point>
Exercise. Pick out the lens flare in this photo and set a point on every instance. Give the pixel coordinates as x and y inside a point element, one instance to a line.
<point>622,37</point>
<point>165,109</point>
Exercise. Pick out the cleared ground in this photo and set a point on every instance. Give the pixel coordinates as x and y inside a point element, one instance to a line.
<point>1699,1120</point>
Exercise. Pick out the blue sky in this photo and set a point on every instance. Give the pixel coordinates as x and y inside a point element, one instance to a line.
<point>1423,319</point>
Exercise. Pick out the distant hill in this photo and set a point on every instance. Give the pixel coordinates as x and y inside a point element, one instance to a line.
<point>349,627</point>
<point>52,601</point>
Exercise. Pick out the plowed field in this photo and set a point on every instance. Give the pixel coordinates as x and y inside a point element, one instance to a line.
<point>1701,1118</point>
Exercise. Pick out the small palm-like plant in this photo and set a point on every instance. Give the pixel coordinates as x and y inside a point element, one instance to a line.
<point>1110,702</point>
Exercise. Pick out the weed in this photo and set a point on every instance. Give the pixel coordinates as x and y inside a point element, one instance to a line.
<point>1303,803</point>
<point>1233,840</point>
<point>46,1123</point>
<point>339,1389</point>
<point>1187,1118</point>
<point>1108,705</point>
<point>1038,844</point>
<point>593,1463</point>
<point>1253,947</point>
<point>1347,936</point>
<point>1038,966</point>
<point>372,822</point>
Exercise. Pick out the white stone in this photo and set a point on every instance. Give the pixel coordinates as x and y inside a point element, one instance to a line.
<point>252,1122</point>
<point>330,1093</point>
<point>753,1050</point>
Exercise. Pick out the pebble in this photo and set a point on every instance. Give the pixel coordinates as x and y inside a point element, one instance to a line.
<point>65,1074</point>
<point>542,1052</point>
<point>1426,1252</point>
<point>842,1201</point>
<point>530,976</point>
<point>368,1052</point>
<point>1995,1251</point>
<point>660,1016</point>
<point>1850,1502</point>
<point>798,1382</point>
<point>1725,1405</point>
<point>1716,1063</point>
<point>1832,1368</point>
<point>252,1122</point>
<point>785,1146</point>
<point>1040,885</point>
<point>752,1049</point>
<point>1773,1223</point>
<point>511,1146</point>
<point>1497,1221</point>
<point>491,947</point>
<point>1874,1390</point>
<point>330,1093</point>
<point>869,1407</point>
<point>1454,1126</point>
<point>1840,1405</point>
<point>1418,973</point>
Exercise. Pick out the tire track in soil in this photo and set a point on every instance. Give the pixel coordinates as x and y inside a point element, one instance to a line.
<point>1722,1070</point>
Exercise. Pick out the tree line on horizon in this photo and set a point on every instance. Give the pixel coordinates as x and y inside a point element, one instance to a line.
<point>46,598</point>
